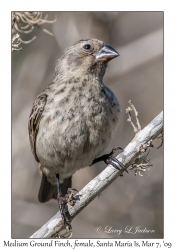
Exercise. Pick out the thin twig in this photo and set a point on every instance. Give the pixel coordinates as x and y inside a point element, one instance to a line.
<point>160,137</point>
<point>29,41</point>
<point>136,115</point>
<point>128,110</point>
<point>16,42</point>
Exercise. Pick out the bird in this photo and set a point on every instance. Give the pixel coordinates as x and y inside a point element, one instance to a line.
<point>73,119</point>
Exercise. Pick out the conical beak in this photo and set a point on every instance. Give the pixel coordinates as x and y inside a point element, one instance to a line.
<point>106,53</point>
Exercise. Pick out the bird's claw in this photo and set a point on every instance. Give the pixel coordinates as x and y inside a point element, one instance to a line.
<point>63,201</point>
<point>109,159</point>
<point>70,196</point>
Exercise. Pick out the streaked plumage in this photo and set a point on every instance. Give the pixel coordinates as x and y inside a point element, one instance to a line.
<point>73,119</point>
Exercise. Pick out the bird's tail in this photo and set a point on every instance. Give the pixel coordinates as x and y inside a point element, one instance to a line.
<point>48,191</point>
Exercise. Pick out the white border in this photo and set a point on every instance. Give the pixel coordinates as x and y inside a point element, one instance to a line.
<point>5,93</point>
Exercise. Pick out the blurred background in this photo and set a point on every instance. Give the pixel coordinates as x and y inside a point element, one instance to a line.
<point>136,75</point>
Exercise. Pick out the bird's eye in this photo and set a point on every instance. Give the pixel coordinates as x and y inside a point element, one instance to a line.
<point>87,46</point>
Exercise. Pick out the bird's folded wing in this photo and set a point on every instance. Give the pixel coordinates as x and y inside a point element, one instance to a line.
<point>34,120</point>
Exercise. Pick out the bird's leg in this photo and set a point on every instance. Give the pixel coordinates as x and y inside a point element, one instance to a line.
<point>62,201</point>
<point>109,159</point>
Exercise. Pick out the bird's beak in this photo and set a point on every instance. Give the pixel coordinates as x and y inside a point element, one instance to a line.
<point>106,53</point>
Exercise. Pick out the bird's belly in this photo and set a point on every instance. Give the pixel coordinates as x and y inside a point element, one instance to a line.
<point>65,144</point>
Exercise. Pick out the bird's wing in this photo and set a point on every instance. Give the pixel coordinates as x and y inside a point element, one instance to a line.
<point>34,121</point>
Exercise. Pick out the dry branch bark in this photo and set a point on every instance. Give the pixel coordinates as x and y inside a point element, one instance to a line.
<point>94,188</point>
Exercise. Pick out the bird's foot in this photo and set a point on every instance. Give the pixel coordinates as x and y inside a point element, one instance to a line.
<point>62,202</point>
<point>110,159</point>
<point>70,196</point>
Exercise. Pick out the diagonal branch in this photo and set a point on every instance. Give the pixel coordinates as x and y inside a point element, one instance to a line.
<point>94,188</point>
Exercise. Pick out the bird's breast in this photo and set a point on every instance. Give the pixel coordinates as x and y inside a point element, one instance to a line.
<point>77,125</point>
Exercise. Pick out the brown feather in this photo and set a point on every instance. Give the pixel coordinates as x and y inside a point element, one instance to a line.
<point>34,120</point>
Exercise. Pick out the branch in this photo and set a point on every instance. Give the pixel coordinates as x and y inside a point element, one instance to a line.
<point>94,188</point>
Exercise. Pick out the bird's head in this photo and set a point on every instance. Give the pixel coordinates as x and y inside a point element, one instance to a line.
<point>89,56</point>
